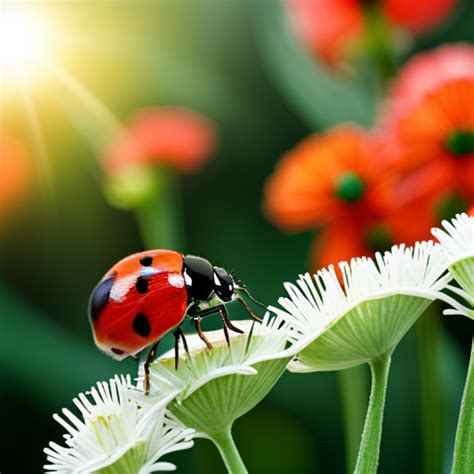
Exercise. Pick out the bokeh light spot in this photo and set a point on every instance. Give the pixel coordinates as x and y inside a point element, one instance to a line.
<point>24,41</point>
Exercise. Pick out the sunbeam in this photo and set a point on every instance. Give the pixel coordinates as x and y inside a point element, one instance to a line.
<point>39,143</point>
<point>100,123</point>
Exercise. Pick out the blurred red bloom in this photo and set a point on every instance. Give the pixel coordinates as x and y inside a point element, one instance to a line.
<point>426,131</point>
<point>330,27</point>
<point>425,72</point>
<point>419,15</point>
<point>175,136</point>
<point>335,180</point>
<point>14,172</point>
<point>438,132</point>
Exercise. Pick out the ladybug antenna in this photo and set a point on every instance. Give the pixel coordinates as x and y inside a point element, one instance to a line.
<point>242,288</point>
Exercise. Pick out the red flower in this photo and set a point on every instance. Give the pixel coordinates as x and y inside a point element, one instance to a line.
<point>439,132</point>
<point>328,27</point>
<point>425,72</point>
<point>427,125</point>
<point>417,15</point>
<point>175,136</point>
<point>332,27</point>
<point>14,172</point>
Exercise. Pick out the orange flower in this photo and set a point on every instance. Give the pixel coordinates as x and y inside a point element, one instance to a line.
<point>335,180</point>
<point>440,130</point>
<point>14,172</point>
<point>324,177</point>
<point>175,136</point>
<point>331,27</point>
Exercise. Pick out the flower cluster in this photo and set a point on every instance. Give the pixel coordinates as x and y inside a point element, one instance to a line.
<point>123,430</point>
<point>327,322</point>
<point>372,189</point>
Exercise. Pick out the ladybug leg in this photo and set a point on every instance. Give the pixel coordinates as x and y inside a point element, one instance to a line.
<point>146,367</point>
<point>197,323</point>
<point>176,349</point>
<point>178,333</point>
<point>226,331</point>
<point>246,306</point>
<point>207,312</point>
<point>185,344</point>
<point>225,319</point>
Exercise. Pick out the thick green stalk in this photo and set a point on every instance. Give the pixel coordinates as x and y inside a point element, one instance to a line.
<point>428,336</point>
<point>353,392</point>
<point>228,451</point>
<point>369,450</point>
<point>379,43</point>
<point>157,216</point>
<point>464,446</point>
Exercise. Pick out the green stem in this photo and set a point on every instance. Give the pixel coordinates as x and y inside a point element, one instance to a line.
<point>428,335</point>
<point>464,446</point>
<point>369,450</point>
<point>228,451</point>
<point>157,216</point>
<point>353,392</point>
<point>379,44</point>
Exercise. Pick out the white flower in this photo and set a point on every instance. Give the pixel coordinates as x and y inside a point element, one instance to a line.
<point>219,385</point>
<point>115,434</point>
<point>457,240</point>
<point>340,326</point>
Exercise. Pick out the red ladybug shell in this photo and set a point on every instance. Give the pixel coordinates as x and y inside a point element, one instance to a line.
<point>138,301</point>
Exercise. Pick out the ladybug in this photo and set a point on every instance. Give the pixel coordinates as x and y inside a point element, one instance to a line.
<point>148,294</point>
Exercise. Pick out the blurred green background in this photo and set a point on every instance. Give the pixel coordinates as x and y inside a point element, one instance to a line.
<point>233,61</point>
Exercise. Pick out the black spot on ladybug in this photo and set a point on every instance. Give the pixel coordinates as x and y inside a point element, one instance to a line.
<point>141,285</point>
<point>141,325</point>
<point>146,261</point>
<point>100,297</point>
<point>117,351</point>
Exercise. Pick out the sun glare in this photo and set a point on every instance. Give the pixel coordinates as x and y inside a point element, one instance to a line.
<point>24,41</point>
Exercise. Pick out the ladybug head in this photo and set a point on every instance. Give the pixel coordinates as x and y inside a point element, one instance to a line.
<point>224,285</point>
<point>227,288</point>
<point>203,280</point>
